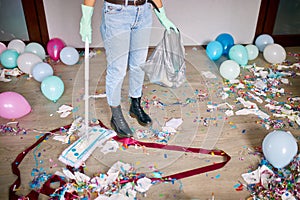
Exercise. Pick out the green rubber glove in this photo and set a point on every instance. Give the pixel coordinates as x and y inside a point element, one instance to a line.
<point>86,23</point>
<point>161,15</point>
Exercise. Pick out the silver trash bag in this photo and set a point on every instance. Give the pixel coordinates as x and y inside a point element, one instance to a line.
<point>166,65</point>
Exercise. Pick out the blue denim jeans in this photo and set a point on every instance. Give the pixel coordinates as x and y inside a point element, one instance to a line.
<point>126,33</point>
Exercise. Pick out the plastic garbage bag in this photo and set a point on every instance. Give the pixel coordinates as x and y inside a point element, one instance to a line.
<point>166,65</point>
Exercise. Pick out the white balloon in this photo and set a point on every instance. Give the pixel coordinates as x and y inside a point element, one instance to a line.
<point>274,53</point>
<point>252,51</point>
<point>37,49</point>
<point>26,61</point>
<point>229,69</point>
<point>17,45</point>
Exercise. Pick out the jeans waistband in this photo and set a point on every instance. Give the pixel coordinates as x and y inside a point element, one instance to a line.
<point>130,2</point>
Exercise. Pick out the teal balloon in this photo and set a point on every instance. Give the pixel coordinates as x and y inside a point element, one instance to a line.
<point>239,54</point>
<point>229,69</point>
<point>214,50</point>
<point>52,88</point>
<point>9,58</point>
<point>227,42</point>
<point>279,148</point>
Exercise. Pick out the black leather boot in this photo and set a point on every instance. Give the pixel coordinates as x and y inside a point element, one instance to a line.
<point>137,112</point>
<point>119,124</point>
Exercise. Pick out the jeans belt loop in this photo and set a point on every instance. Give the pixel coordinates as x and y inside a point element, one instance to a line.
<point>126,3</point>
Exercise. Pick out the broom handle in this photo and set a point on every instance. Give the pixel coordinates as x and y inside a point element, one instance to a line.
<point>86,85</point>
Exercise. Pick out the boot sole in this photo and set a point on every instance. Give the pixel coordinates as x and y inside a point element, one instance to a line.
<point>141,123</point>
<point>119,134</point>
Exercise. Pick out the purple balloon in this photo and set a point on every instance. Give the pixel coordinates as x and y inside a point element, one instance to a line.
<point>13,105</point>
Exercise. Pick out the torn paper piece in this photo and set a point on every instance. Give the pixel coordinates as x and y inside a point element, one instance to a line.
<point>67,173</point>
<point>119,167</point>
<point>208,74</point>
<point>3,79</point>
<point>266,175</point>
<point>168,129</point>
<point>174,122</point>
<point>259,92</point>
<point>259,100</point>
<point>76,124</point>
<point>287,196</point>
<point>12,72</point>
<point>260,84</point>
<point>110,146</point>
<point>252,177</point>
<point>248,66</point>
<point>98,96</point>
<point>281,67</point>
<point>240,86</point>
<point>261,175</point>
<point>128,191</point>
<point>284,80</point>
<point>80,177</point>
<point>229,113</point>
<point>297,120</point>
<point>259,113</point>
<point>247,104</point>
<point>143,184</point>
<point>214,106</point>
<point>65,110</point>
<point>234,81</point>
<point>225,95</point>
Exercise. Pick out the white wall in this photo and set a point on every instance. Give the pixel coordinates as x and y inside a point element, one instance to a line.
<point>199,21</point>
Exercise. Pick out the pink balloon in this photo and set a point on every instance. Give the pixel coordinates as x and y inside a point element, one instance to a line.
<point>13,105</point>
<point>54,46</point>
<point>2,47</point>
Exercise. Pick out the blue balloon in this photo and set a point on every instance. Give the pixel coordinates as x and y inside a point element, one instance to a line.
<point>227,42</point>
<point>52,87</point>
<point>239,54</point>
<point>69,55</point>
<point>279,148</point>
<point>42,70</point>
<point>262,41</point>
<point>9,58</point>
<point>214,50</point>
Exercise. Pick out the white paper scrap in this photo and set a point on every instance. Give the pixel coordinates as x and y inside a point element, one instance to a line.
<point>287,196</point>
<point>65,110</point>
<point>262,174</point>
<point>110,146</point>
<point>257,112</point>
<point>229,113</point>
<point>174,122</point>
<point>143,184</point>
<point>208,74</point>
<point>119,166</point>
<point>98,96</point>
<point>168,129</point>
<point>247,104</point>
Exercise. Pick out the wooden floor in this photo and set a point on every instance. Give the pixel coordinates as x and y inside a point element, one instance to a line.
<point>239,136</point>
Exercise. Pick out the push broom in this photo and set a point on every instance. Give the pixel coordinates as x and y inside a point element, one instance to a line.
<point>78,152</point>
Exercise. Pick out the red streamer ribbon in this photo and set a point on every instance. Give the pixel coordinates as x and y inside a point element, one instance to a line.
<point>47,190</point>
